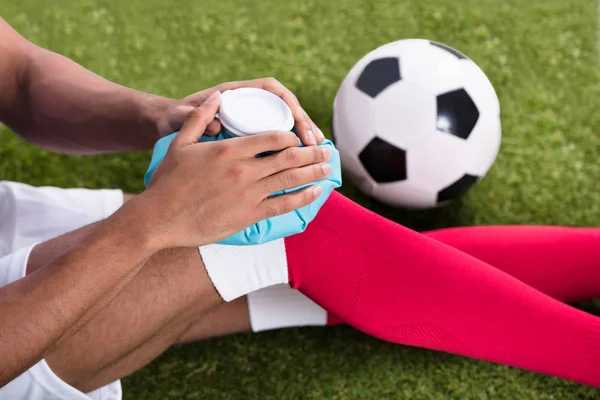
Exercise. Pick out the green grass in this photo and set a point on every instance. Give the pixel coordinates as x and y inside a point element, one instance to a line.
<point>541,57</point>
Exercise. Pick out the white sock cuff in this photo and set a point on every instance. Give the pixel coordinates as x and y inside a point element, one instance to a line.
<point>280,306</point>
<point>238,270</point>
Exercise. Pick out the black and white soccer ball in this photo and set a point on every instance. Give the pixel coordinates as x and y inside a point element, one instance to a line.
<point>417,123</point>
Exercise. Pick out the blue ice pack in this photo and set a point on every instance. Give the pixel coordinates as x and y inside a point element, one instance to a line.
<point>272,228</point>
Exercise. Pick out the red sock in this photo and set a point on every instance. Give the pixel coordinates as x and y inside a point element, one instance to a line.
<point>404,287</point>
<point>562,262</point>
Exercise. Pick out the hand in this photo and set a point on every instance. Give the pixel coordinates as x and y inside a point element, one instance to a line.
<point>175,116</point>
<point>204,192</point>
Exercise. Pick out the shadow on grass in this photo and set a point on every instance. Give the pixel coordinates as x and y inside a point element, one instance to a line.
<point>456,214</point>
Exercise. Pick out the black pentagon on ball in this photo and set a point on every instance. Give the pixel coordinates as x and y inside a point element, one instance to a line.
<point>378,75</point>
<point>456,113</point>
<point>450,50</point>
<point>384,161</point>
<point>457,188</point>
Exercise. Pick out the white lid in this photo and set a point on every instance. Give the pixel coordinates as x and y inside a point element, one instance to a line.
<point>248,111</point>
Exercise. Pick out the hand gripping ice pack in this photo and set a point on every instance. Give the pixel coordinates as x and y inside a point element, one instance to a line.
<point>250,111</point>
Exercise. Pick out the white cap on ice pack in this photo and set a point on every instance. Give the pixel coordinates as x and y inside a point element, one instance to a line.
<point>248,111</point>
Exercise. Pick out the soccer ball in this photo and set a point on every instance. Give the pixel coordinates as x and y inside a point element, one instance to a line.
<point>417,123</point>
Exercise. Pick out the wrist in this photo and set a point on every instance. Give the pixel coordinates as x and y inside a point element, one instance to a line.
<point>134,224</point>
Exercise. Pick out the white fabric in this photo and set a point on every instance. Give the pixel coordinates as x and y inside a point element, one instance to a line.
<point>280,306</point>
<point>35,214</point>
<point>40,383</point>
<point>29,215</point>
<point>238,270</point>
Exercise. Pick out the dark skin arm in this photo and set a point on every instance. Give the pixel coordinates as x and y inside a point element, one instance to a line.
<point>184,206</point>
<point>45,308</point>
<point>58,105</point>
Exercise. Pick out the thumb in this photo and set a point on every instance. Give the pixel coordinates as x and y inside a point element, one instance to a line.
<point>174,119</point>
<point>198,120</point>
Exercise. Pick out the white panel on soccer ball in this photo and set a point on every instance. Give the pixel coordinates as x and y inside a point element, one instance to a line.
<point>353,120</point>
<point>483,144</point>
<point>431,67</point>
<point>405,114</point>
<point>403,194</point>
<point>480,89</point>
<point>437,162</point>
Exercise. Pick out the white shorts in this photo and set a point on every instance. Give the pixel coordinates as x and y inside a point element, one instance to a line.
<point>29,215</point>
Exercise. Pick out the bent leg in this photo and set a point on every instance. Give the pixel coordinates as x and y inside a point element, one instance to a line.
<point>562,262</point>
<point>168,295</point>
<point>404,287</point>
<point>138,343</point>
<point>226,319</point>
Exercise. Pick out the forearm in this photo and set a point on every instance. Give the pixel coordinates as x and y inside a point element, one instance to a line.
<point>57,104</point>
<point>70,109</point>
<point>49,305</point>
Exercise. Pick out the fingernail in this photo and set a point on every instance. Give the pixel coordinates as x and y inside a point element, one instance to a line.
<point>317,190</point>
<point>326,169</point>
<point>213,96</point>
<point>320,134</point>
<point>326,153</point>
<point>311,137</point>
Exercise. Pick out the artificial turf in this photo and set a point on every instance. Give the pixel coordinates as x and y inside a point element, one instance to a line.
<point>541,55</point>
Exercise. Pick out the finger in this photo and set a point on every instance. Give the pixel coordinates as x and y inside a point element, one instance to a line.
<point>283,204</point>
<point>305,132</point>
<point>304,125</point>
<point>214,128</point>
<point>178,116</point>
<point>250,146</point>
<point>293,157</point>
<point>318,133</point>
<point>198,120</point>
<point>295,177</point>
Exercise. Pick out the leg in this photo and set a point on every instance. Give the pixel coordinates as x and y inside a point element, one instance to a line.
<point>157,343</point>
<point>562,262</point>
<point>226,319</point>
<point>273,307</point>
<point>125,364</point>
<point>404,287</point>
<point>558,261</point>
<point>170,293</point>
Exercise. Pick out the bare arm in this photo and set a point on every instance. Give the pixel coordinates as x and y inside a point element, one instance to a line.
<point>57,104</point>
<point>184,206</point>
<point>49,305</point>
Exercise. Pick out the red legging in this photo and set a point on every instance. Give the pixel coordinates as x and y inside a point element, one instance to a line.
<point>564,263</point>
<point>405,287</point>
